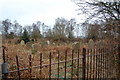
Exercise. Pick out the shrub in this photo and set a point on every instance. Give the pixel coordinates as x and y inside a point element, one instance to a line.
<point>18,41</point>
<point>29,44</point>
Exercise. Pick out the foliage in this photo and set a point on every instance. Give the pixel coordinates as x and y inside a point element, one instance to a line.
<point>18,41</point>
<point>29,44</point>
<point>61,30</point>
<point>11,35</point>
<point>25,36</point>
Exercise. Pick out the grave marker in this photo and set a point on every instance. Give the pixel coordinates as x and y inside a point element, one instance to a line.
<point>22,43</point>
<point>91,44</point>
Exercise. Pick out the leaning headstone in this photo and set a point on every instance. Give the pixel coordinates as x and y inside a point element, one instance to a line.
<point>22,43</point>
<point>91,44</point>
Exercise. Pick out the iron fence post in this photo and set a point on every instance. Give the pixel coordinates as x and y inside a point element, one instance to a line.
<point>84,64</point>
<point>4,66</point>
<point>17,62</point>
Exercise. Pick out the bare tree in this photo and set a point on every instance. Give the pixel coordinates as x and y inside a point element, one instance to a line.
<point>6,25</point>
<point>17,28</point>
<point>98,9</point>
<point>59,28</point>
<point>70,27</point>
<point>36,32</point>
<point>102,11</point>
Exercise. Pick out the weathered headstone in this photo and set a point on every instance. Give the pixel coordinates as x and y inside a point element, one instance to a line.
<point>76,46</point>
<point>91,44</point>
<point>53,43</point>
<point>22,43</point>
<point>48,42</point>
<point>34,48</point>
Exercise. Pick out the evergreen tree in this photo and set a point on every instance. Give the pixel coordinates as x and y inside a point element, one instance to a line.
<point>25,36</point>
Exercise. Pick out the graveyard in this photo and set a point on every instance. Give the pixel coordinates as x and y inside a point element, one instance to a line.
<point>35,49</point>
<point>49,50</point>
<point>53,39</point>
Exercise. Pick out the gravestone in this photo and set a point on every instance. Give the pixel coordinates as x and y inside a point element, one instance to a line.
<point>22,43</point>
<point>91,44</point>
<point>34,48</point>
<point>53,43</point>
<point>76,46</point>
<point>48,42</point>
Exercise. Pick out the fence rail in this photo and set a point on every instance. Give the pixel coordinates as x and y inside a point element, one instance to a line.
<point>89,63</point>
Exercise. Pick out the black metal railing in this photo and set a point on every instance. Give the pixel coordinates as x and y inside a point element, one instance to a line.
<point>96,63</point>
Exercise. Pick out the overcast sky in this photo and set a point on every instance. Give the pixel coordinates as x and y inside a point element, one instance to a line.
<point>29,11</point>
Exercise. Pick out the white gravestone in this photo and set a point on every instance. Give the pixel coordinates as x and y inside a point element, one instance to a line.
<point>22,43</point>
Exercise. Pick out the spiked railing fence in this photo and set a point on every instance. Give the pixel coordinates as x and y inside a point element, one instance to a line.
<point>99,62</point>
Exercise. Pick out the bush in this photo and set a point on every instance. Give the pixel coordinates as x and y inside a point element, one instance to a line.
<point>18,41</point>
<point>29,44</point>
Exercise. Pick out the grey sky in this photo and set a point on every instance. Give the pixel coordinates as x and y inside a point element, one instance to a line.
<point>29,11</point>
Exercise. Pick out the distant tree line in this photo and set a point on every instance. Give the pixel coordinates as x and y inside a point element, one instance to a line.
<point>61,30</point>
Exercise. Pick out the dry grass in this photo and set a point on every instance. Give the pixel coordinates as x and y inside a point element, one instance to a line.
<point>23,53</point>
